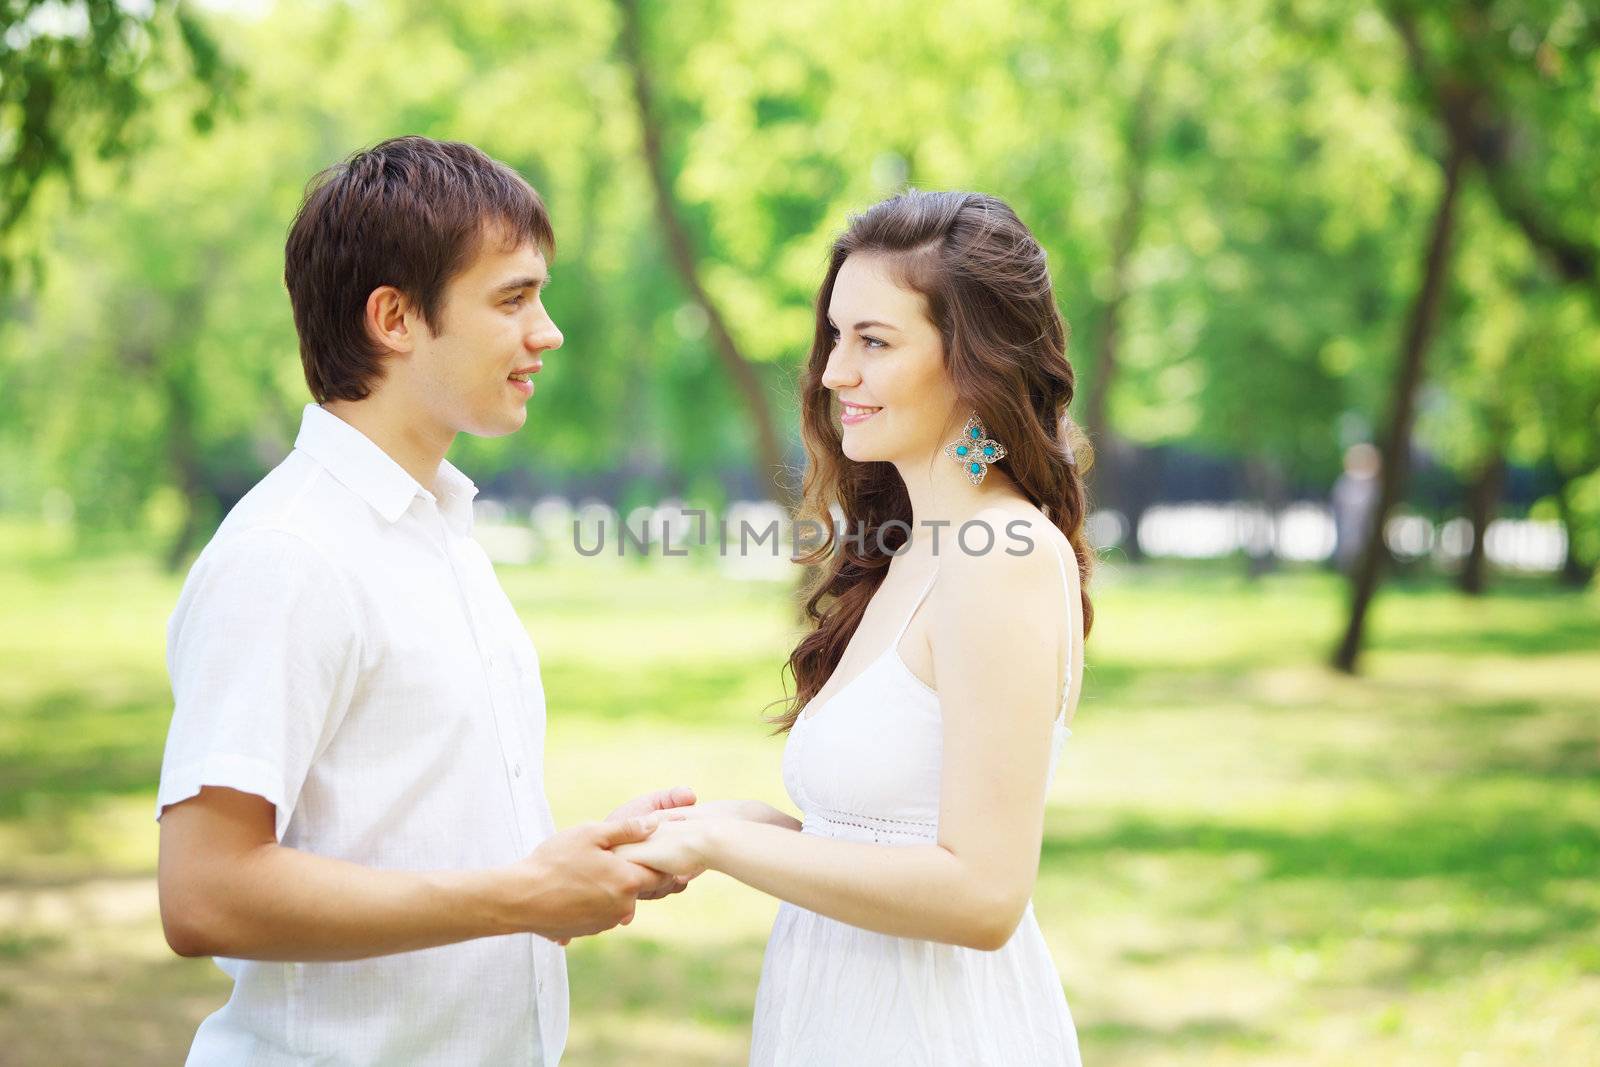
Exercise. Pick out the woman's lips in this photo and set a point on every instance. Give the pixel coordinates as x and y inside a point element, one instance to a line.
<point>856,414</point>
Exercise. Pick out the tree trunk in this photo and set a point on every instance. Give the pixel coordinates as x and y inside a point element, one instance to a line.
<point>1483,500</point>
<point>1489,133</point>
<point>1127,474</point>
<point>746,380</point>
<point>1265,477</point>
<point>1137,485</point>
<point>183,452</point>
<point>1116,465</point>
<point>1575,573</point>
<point>1418,336</point>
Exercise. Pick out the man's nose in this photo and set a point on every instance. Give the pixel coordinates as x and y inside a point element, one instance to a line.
<point>545,337</point>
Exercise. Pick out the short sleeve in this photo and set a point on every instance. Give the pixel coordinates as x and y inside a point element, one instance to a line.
<point>264,654</point>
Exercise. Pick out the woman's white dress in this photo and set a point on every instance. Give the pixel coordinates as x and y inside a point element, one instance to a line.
<point>865,766</point>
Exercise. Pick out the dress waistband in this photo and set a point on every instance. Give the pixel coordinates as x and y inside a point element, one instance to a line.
<point>853,826</point>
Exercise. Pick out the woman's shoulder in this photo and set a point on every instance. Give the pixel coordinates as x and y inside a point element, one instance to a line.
<point>1002,613</point>
<point>1008,515</point>
<point>1022,562</point>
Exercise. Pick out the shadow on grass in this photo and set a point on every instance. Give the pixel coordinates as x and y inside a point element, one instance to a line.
<point>18,948</point>
<point>1510,850</point>
<point>712,985</point>
<point>1347,884</point>
<point>716,987</point>
<point>1212,1033</point>
<point>61,1011</point>
<point>1435,954</point>
<point>1572,758</point>
<point>75,746</point>
<point>1551,637</point>
<point>1540,744</point>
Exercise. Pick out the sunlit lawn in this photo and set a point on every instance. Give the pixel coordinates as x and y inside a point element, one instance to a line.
<point>1249,860</point>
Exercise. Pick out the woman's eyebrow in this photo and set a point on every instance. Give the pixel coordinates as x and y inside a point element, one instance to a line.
<point>868,323</point>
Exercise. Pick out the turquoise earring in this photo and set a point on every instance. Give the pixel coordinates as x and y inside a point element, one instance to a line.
<point>975,450</point>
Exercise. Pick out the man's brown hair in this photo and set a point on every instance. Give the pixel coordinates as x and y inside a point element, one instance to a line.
<point>411,212</point>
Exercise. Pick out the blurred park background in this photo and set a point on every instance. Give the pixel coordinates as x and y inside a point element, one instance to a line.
<point>1332,267</point>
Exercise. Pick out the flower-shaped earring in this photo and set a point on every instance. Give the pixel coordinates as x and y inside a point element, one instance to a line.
<point>975,450</point>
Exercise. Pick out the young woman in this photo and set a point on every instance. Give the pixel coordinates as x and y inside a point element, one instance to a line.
<point>935,688</point>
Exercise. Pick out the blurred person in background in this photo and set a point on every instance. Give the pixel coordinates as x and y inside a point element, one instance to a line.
<point>1355,495</point>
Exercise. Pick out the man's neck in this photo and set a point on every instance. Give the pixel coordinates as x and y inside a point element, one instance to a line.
<point>408,437</point>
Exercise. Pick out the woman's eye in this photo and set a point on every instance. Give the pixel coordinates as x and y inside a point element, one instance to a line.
<point>873,342</point>
<point>515,302</point>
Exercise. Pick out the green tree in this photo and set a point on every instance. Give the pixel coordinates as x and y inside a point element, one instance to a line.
<point>1465,66</point>
<point>73,76</point>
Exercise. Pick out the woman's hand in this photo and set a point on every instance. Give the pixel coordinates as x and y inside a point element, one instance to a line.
<point>748,810</point>
<point>678,847</point>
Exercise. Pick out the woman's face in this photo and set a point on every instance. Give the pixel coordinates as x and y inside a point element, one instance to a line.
<point>896,402</point>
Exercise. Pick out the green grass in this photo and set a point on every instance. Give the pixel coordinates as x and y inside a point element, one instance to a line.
<point>1249,859</point>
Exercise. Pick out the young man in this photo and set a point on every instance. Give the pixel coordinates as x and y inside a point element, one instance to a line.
<point>352,807</point>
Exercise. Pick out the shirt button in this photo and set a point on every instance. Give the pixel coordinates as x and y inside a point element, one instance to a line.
<point>489,658</point>
<point>516,770</point>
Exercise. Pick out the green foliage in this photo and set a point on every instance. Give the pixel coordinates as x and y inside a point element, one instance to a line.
<point>72,80</point>
<point>1288,181</point>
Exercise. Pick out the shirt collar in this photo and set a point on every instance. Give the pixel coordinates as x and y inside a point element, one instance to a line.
<point>372,474</point>
<point>458,492</point>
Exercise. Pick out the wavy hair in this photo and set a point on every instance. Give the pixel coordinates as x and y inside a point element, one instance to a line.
<point>988,292</point>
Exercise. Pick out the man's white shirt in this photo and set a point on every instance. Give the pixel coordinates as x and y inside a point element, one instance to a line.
<point>343,649</point>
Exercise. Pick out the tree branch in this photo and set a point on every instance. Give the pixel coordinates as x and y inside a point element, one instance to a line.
<point>680,248</point>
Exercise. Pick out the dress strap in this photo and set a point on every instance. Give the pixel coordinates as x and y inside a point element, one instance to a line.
<point>1066,586</point>
<point>913,612</point>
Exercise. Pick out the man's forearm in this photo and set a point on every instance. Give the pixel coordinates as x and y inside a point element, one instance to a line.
<point>278,903</point>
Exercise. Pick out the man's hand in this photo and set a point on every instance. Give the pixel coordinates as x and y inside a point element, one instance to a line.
<point>662,800</point>
<point>572,884</point>
<point>679,796</point>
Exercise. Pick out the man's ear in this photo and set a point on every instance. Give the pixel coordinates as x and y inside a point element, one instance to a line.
<point>390,319</point>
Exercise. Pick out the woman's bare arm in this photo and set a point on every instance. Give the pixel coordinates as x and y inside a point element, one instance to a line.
<point>996,633</point>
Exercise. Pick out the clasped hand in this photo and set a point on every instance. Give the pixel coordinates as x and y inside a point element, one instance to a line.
<point>663,804</point>
<point>684,842</point>
<point>588,879</point>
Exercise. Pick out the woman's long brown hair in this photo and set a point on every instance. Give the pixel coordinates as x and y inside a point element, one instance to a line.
<point>988,292</point>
